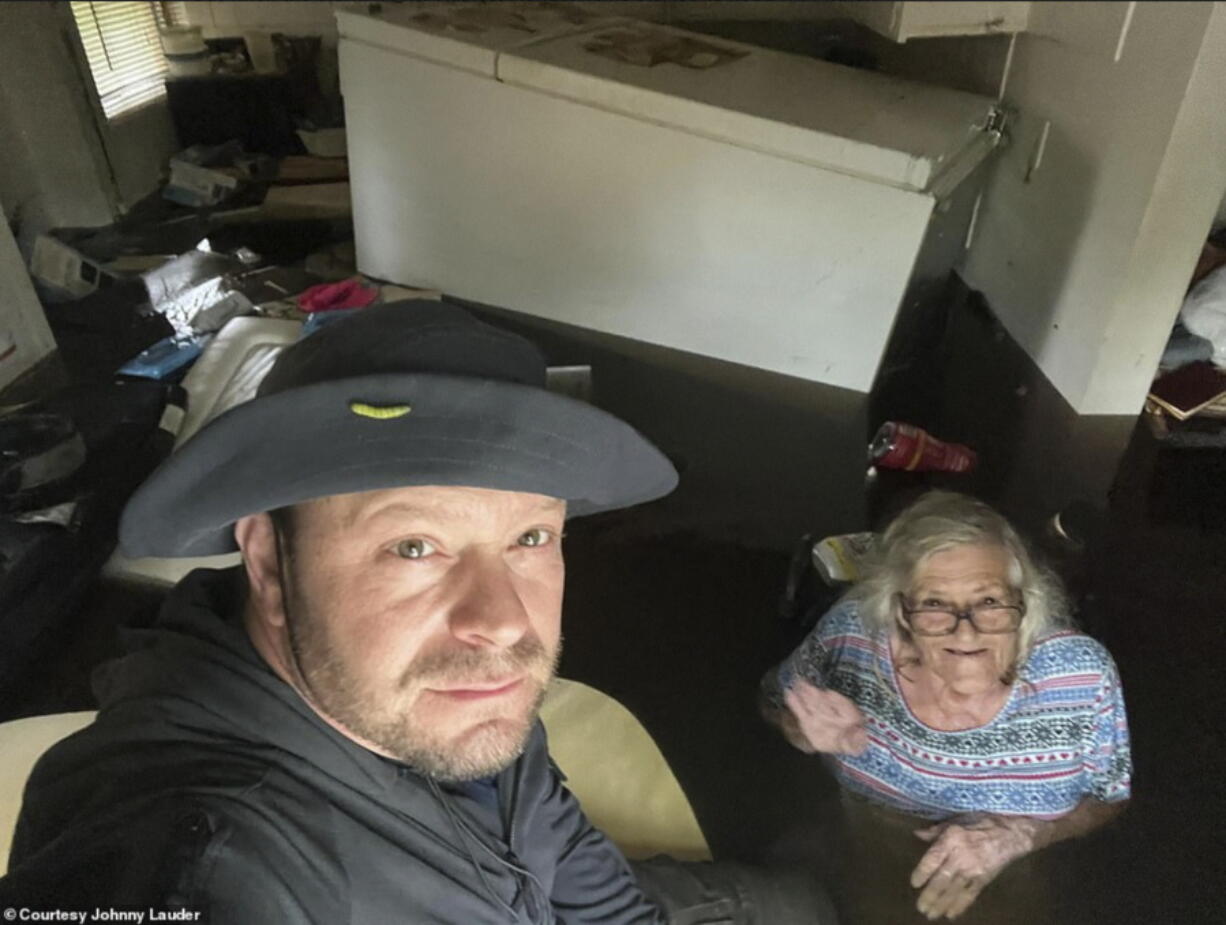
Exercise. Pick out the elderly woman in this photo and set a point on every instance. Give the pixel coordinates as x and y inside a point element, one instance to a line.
<point>949,684</point>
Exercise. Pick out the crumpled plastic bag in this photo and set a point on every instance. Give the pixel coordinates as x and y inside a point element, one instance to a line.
<point>189,286</point>
<point>1204,312</point>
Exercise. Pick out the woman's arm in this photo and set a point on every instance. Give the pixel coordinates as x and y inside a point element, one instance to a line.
<point>796,698</point>
<point>1088,815</point>
<point>817,720</point>
<point>786,721</point>
<point>968,852</point>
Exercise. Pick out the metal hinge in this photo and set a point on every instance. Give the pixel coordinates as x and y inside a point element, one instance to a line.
<point>997,120</point>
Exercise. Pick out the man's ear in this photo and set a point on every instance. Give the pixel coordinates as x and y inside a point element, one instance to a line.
<point>257,538</point>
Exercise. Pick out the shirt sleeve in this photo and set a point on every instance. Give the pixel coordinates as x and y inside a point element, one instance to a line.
<point>593,882</point>
<point>169,854</point>
<point>248,872</point>
<point>1109,753</point>
<point>810,661</point>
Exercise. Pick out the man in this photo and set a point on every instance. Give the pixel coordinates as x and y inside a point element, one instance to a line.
<point>344,729</point>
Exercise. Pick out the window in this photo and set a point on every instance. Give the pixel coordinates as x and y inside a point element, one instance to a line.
<point>124,50</point>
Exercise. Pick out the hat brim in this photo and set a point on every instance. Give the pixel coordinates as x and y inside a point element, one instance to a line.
<point>331,438</point>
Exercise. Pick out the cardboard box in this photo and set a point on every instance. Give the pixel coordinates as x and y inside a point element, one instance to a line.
<point>67,270</point>
<point>196,186</point>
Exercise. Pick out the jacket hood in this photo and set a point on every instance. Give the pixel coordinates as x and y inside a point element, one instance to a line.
<point>195,677</point>
<point>195,726</point>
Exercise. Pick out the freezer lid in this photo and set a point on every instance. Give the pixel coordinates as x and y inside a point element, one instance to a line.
<point>468,36</point>
<point>896,132</point>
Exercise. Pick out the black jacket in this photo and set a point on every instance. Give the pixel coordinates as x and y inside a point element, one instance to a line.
<point>207,782</point>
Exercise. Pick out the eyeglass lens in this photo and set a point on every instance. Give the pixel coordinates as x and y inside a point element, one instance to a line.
<point>997,618</point>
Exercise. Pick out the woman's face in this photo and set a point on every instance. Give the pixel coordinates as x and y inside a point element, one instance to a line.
<point>970,662</point>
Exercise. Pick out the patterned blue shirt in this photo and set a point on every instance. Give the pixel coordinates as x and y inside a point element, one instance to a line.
<point>1062,735</point>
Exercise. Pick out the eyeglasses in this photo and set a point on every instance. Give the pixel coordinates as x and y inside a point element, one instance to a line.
<point>989,617</point>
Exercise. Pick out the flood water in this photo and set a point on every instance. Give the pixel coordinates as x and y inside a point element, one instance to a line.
<point>680,628</point>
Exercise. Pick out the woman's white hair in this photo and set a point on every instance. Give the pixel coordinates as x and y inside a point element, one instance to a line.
<point>940,520</point>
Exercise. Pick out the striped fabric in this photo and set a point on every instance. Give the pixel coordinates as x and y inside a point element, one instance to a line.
<point>1061,736</point>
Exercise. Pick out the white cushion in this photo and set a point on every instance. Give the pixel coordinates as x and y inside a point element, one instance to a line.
<point>22,742</point>
<point>617,772</point>
<point>231,367</point>
<point>228,373</point>
<point>613,767</point>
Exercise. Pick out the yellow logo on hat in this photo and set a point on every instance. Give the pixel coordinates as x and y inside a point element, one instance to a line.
<point>379,412</point>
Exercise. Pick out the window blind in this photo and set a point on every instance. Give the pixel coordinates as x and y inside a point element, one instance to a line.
<point>124,50</point>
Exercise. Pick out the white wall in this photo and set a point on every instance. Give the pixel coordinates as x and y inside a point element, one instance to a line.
<point>226,17</point>
<point>289,15</point>
<point>138,145</point>
<point>61,162</point>
<point>1086,258</point>
<point>972,63</point>
<point>22,323</point>
<point>52,167</point>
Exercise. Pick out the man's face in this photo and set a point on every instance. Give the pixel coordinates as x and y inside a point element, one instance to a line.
<point>427,620</point>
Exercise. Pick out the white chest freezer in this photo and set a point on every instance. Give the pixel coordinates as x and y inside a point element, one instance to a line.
<point>687,191</point>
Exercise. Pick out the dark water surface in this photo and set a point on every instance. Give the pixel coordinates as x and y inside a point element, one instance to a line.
<point>680,628</point>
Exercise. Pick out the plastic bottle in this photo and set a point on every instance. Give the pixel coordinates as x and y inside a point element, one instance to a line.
<point>905,446</point>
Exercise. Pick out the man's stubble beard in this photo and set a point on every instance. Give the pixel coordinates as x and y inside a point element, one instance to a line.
<point>485,746</point>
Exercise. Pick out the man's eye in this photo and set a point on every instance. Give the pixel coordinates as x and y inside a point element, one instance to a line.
<point>414,549</point>
<point>989,601</point>
<point>932,603</point>
<point>535,537</point>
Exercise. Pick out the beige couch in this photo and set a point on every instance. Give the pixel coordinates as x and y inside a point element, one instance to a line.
<point>615,769</point>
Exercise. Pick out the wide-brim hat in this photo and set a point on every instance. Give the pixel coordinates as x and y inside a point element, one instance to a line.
<point>408,393</point>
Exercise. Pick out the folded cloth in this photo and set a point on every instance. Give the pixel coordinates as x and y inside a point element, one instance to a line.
<point>1204,312</point>
<point>1184,347</point>
<point>348,293</point>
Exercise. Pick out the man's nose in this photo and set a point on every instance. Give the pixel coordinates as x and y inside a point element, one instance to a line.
<point>487,609</point>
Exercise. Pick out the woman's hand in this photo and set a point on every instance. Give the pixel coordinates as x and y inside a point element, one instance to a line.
<point>828,721</point>
<point>967,853</point>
